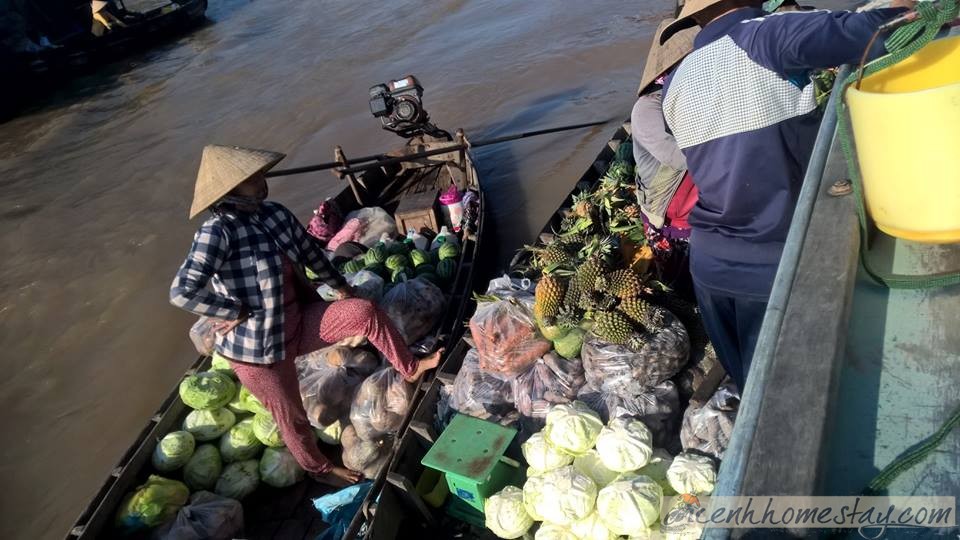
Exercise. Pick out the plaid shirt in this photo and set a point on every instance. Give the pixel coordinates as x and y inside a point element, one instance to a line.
<point>239,255</point>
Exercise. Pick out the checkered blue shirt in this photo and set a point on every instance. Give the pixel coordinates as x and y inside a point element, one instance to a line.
<point>239,255</point>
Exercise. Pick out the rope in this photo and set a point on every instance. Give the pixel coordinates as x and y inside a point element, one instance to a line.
<point>902,43</point>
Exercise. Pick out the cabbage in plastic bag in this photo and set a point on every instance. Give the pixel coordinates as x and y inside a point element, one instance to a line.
<point>204,468</point>
<point>572,428</point>
<point>173,451</point>
<point>207,517</point>
<point>631,505</point>
<point>153,503</point>
<point>279,469</point>
<point>657,469</point>
<point>327,391</point>
<point>505,514</point>
<point>591,528</point>
<point>550,531</point>
<point>266,431</point>
<point>625,445</point>
<point>239,479</point>
<point>240,443</point>
<point>415,307</point>
<point>541,456</point>
<point>551,381</point>
<point>506,336</point>
<point>692,473</point>
<point>591,465</point>
<point>208,390</point>
<point>208,425</point>
<point>479,394</point>
<point>560,496</point>
<point>380,404</point>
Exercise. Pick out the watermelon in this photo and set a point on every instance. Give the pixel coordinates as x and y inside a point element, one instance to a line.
<point>426,269</point>
<point>448,250</point>
<point>377,254</point>
<point>400,275</point>
<point>446,269</point>
<point>378,269</point>
<point>352,267</point>
<point>397,248</point>
<point>419,257</point>
<point>397,262</point>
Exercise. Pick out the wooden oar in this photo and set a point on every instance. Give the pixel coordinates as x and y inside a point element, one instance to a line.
<point>380,160</point>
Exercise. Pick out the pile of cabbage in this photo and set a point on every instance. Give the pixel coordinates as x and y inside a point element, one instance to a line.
<point>587,480</point>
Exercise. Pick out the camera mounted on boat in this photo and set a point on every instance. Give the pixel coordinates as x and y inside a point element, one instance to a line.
<point>399,106</point>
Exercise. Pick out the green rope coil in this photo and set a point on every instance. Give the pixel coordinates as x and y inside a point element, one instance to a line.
<point>904,42</point>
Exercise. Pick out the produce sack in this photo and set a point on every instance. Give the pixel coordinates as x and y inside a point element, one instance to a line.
<point>549,531</point>
<point>505,515</point>
<point>327,391</point>
<point>265,429</point>
<point>240,443</point>
<point>656,406</point>
<point>204,468</point>
<point>278,468</point>
<point>591,465</point>
<point>208,390</point>
<point>591,528</point>
<point>239,479</point>
<point>506,337</point>
<point>692,473</point>
<point>630,506</point>
<point>572,428</point>
<point>380,404</point>
<point>477,393</point>
<point>541,456</point>
<point>613,367</point>
<point>204,335</point>
<point>376,222</point>
<point>326,221</point>
<point>208,425</point>
<point>560,496</point>
<point>173,451</point>
<point>153,503</point>
<point>551,381</point>
<point>625,445</point>
<point>207,517</point>
<point>707,429</point>
<point>364,456</point>
<point>415,307</point>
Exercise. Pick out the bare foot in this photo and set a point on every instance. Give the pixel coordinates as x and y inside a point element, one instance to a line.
<point>338,477</point>
<point>426,363</point>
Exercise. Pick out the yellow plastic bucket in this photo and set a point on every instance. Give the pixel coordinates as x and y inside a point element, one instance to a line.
<point>906,124</point>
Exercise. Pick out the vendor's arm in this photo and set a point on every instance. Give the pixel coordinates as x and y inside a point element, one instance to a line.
<point>189,289</point>
<point>650,132</point>
<point>313,256</point>
<point>799,41</point>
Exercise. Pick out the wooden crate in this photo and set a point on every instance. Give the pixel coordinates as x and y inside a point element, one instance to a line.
<point>418,211</point>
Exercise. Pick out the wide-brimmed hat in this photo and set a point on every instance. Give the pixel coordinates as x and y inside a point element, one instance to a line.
<point>684,19</point>
<point>223,168</point>
<point>97,5</point>
<point>664,56</point>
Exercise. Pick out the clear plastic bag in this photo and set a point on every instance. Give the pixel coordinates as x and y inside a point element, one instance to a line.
<point>506,336</point>
<point>361,361</point>
<point>707,429</point>
<point>613,367</point>
<point>364,456</point>
<point>206,517</point>
<point>203,335</point>
<point>656,406</point>
<point>377,222</point>
<point>415,307</point>
<point>380,404</point>
<point>365,284</point>
<point>327,391</point>
<point>550,381</point>
<point>478,394</point>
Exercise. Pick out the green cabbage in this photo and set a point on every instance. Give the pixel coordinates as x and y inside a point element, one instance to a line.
<point>549,531</point>
<point>569,345</point>
<point>656,469</point>
<point>505,515</point>
<point>249,402</point>
<point>208,390</point>
<point>279,469</point>
<point>591,465</point>
<point>591,528</point>
<point>203,469</point>
<point>541,456</point>
<point>330,434</point>
<point>625,445</point>
<point>266,430</point>
<point>208,425</point>
<point>240,443</point>
<point>560,496</point>
<point>631,505</point>
<point>222,365</point>
<point>692,473</point>
<point>173,451</point>
<point>572,427</point>
<point>153,503</point>
<point>239,479</point>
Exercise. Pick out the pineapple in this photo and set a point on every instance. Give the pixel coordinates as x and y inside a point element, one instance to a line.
<point>548,297</point>
<point>624,283</point>
<point>635,308</point>
<point>572,297</point>
<point>613,326</point>
<point>553,254</point>
<point>596,301</point>
<point>589,271</point>
<point>583,205</point>
<point>632,212</point>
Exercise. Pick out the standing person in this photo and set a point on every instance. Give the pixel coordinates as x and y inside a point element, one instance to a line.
<point>252,252</point>
<point>743,110</point>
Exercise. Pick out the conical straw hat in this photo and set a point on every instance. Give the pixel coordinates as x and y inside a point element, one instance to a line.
<point>663,57</point>
<point>223,168</point>
<point>97,5</point>
<point>684,19</point>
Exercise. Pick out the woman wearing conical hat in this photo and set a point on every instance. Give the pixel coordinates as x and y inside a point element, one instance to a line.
<point>250,252</point>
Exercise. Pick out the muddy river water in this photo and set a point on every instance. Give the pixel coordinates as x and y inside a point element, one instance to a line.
<point>96,183</point>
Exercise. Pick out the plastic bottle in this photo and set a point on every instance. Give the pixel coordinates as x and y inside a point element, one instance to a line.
<point>387,240</point>
<point>419,241</point>
<point>444,237</point>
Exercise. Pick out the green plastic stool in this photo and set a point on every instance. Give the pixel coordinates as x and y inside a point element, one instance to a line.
<point>470,453</point>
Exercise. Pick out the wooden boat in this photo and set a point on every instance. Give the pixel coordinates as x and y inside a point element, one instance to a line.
<point>289,513</point>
